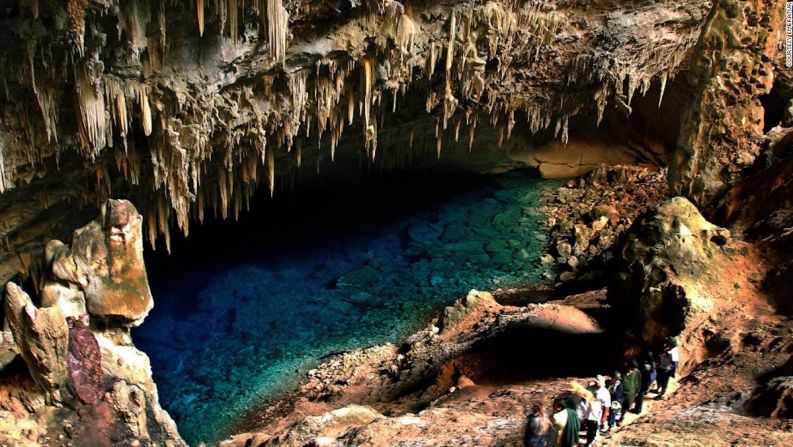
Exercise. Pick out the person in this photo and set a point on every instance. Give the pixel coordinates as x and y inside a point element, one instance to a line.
<point>596,410</point>
<point>558,423</point>
<point>615,414</point>
<point>630,386</point>
<point>665,369</point>
<point>667,365</point>
<point>616,391</point>
<point>674,354</point>
<point>565,423</point>
<point>603,395</point>
<point>537,428</point>
<point>580,398</point>
<point>647,373</point>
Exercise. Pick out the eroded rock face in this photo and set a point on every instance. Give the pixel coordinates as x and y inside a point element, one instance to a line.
<point>661,267</point>
<point>93,387</point>
<point>722,128</point>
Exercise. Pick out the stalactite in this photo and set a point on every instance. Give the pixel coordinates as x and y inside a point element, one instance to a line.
<point>200,13</point>
<point>76,11</point>
<point>223,192</point>
<point>3,181</point>
<point>33,6</point>
<point>449,101</point>
<point>277,29</point>
<point>134,17</point>
<point>233,21</point>
<point>663,89</point>
<point>145,110</point>
<point>471,131</point>
<point>368,79</point>
<point>271,171</point>
<point>115,95</point>
<point>299,152</point>
<point>90,105</point>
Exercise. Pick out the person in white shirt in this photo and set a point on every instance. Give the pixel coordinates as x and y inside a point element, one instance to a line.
<point>597,410</point>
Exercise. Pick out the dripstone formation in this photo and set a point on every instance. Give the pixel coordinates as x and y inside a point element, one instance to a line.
<point>188,106</point>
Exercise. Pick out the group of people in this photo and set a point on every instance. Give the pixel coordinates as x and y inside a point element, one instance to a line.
<point>603,403</point>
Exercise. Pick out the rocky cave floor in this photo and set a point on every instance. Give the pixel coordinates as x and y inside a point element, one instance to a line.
<point>356,399</point>
<point>470,376</point>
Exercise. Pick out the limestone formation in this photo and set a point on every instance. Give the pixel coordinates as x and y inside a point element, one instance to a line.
<point>43,339</point>
<point>732,66</point>
<point>190,109</point>
<point>77,348</point>
<point>103,270</point>
<point>662,268</point>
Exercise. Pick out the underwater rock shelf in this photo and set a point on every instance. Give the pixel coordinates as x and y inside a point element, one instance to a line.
<point>248,326</point>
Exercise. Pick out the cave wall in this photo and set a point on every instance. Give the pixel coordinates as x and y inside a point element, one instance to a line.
<point>732,67</point>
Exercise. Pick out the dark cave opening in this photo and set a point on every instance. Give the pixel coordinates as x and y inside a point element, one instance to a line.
<point>775,105</point>
<point>528,353</point>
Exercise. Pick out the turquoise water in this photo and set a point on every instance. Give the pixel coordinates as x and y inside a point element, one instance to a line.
<point>246,315</point>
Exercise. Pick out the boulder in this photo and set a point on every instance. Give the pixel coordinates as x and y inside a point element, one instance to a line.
<point>101,383</point>
<point>660,267</point>
<point>362,277</point>
<point>456,314</point>
<point>322,429</point>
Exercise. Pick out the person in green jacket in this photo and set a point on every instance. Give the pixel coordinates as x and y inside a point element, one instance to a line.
<point>565,424</point>
<point>631,384</point>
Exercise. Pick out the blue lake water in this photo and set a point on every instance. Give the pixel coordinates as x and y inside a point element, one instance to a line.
<point>243,310</point>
